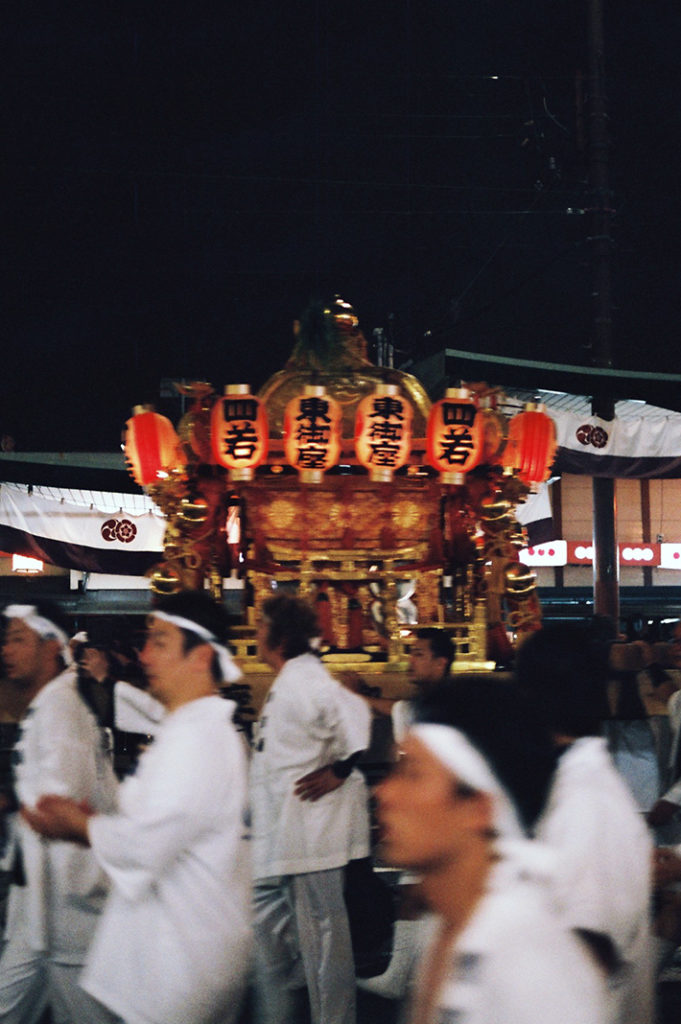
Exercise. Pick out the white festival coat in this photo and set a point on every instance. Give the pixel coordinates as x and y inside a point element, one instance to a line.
<point>308,721</point>
<point>174,942</point>
<point>60,750</point>
<point>514,963</point>
<point>603,881</point>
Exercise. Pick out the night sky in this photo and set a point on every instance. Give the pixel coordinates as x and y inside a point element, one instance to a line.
<point>181,184</point>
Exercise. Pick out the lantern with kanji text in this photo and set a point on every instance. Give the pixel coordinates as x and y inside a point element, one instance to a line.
<point>239,432</point>
<point>152,447</point>
<point>454,435</point>
<point>531,445</point>
<point>312,433</point>
<point>383,432</point>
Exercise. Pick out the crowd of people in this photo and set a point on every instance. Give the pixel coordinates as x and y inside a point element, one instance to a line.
<point>207,878</point>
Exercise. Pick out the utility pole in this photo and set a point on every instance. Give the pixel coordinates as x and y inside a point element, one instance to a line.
<point>606,558</point>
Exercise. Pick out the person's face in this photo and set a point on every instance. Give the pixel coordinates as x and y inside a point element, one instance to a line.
<point>94,662</point>
<point>424,824</point>
<point>24,653</point>
<point>164,660</point>
<point>424,668</point>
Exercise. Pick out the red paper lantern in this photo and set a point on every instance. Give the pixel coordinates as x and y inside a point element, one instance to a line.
<point>531,445</point>
<point>383,432</point>
<point>239,432</point>
<point>152,447</point>
<point>312,433</point>
<point>454,435</point>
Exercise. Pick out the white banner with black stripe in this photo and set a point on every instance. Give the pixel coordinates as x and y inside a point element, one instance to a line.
<point>79,536</point>
<point>536,515</point>
<point>632,447</point>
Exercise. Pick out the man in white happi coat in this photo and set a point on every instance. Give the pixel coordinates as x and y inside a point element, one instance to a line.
<point>310,818</point>
<point>603,887</point>
<point>472,774</point>
<point>58,889</point>
<point>174,943</point>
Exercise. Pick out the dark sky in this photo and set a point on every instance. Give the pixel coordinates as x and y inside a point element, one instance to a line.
<point>181,184</point>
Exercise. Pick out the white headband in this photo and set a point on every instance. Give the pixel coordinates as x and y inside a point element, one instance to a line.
<point>457,753</point>
<point>45,628</point>
<point>229,668</point>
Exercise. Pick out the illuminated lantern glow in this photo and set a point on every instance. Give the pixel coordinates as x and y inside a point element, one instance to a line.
<point>239,432</point>
<point>312,433</point>
<point>383,432</point>
<point>454,436</point>
<point>152,447</point>
<point>531,445</point>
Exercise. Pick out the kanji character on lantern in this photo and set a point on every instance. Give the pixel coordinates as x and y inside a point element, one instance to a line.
<point>454,435</point>
<point>239,432</point>
<point>383,432</point>
<point>312,433</point>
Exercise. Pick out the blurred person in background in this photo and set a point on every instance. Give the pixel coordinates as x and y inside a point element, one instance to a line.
<point>431,656</point>
<point>97,674</point>
<point>126,712</point>
<point>58,890</point>
<point>664,816</point>
<point>603,885</point>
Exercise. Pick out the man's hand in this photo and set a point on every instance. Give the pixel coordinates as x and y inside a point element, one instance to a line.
<point>318,783</point>
<point>666,866</point>
<point>58,817</point>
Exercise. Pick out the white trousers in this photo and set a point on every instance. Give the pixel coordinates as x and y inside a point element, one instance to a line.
<point>30,980</point>
<point>302,937</point>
